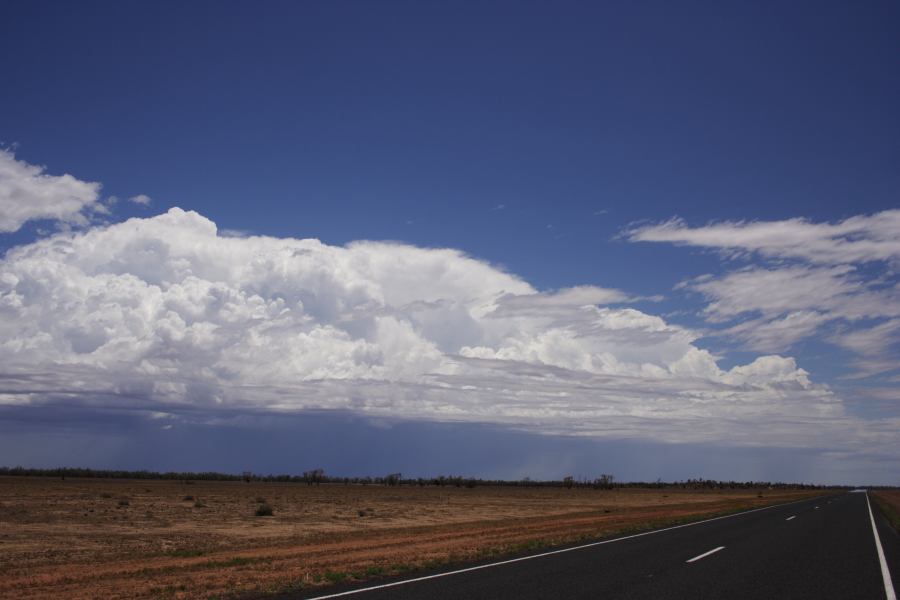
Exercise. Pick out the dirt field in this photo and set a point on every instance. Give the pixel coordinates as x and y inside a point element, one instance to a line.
<point>164,539</point>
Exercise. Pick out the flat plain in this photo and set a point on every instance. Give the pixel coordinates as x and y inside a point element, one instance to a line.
<point>92,538</point>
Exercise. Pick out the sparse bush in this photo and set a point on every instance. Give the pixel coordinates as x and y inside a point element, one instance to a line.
<point>188,498</point>
<point>123,502</point>
<point>106,495</point>
<point>199,504</point>
<point>264,510</point>
<point>335,576</point>
<point>260,499</point>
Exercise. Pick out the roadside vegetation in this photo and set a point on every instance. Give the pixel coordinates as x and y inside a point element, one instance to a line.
<point>888,501</point>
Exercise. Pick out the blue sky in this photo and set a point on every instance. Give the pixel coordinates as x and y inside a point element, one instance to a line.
<point>577,157</point>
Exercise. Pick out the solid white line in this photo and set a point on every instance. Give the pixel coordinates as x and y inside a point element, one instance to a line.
<point>550,553</point>
<point>705,554</point>
<point>791,517</point>
<point>885,573</point>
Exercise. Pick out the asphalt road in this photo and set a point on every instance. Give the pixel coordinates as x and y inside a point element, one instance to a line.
<point>822,548</point>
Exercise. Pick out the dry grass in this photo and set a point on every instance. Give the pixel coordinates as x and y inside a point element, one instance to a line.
<point>889,503</point>
<point>136,539</point>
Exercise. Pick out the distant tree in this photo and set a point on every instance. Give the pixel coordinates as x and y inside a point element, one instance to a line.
<point>393,479</point>
<point>604,482</point>
<point>315,476</point>
<point>568,482</point>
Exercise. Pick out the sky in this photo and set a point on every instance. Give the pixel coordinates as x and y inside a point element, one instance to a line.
<point>496,239</point>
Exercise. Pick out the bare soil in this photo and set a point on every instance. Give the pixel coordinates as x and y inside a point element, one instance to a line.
<point>162,539</point>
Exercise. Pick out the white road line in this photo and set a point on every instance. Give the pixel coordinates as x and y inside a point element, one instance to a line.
<point>885,573</point>
<point>550,553</point>
<point>705,554</point>
<point>817,508</point>
<point>791,517</point>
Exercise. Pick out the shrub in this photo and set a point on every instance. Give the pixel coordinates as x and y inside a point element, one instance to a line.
<point>264,510</point>
<point>335,576</point>
<point>123,502</point>
<point>188,498</point>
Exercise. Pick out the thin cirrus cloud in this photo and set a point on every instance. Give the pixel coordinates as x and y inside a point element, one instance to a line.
<point>837,280</point>
<point>164,315</point>
<point>858,239</point>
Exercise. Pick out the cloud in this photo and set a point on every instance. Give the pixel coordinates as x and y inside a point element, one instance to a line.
<point>780,333</point>
<point>858,239</point>
<point>876,347</point>
<point>141,199</point>
<point>27,193</point>
<point>840,291</point>
<point>165,315</point>
<point>815,278</point>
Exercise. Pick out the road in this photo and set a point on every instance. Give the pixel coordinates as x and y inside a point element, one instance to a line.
<point>821,548</point>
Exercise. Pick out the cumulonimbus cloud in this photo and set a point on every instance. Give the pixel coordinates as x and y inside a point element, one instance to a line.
<point>163,314</point>
<point>169,316</point>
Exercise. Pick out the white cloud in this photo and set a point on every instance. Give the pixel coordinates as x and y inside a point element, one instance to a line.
<point>165,315</point>
<point>818,277</point>
<point>876,347</point>
<point>780,333</point>
<point>791,303</point>
<point>859,239</point>
<point>27,193</point>
<point>142,199</point>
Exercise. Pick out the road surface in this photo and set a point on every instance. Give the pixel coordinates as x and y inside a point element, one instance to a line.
<point>819,549</point>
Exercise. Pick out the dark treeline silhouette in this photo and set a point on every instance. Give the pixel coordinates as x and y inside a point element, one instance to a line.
<point>318,476</point>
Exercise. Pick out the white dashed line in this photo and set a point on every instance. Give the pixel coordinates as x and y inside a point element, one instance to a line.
<point>705,554</point>
<point>791,517</point>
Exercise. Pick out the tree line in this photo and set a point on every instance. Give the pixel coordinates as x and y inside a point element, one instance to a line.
<point>318,477</point>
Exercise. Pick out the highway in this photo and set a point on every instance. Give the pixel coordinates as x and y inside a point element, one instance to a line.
<point>818,549</point>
